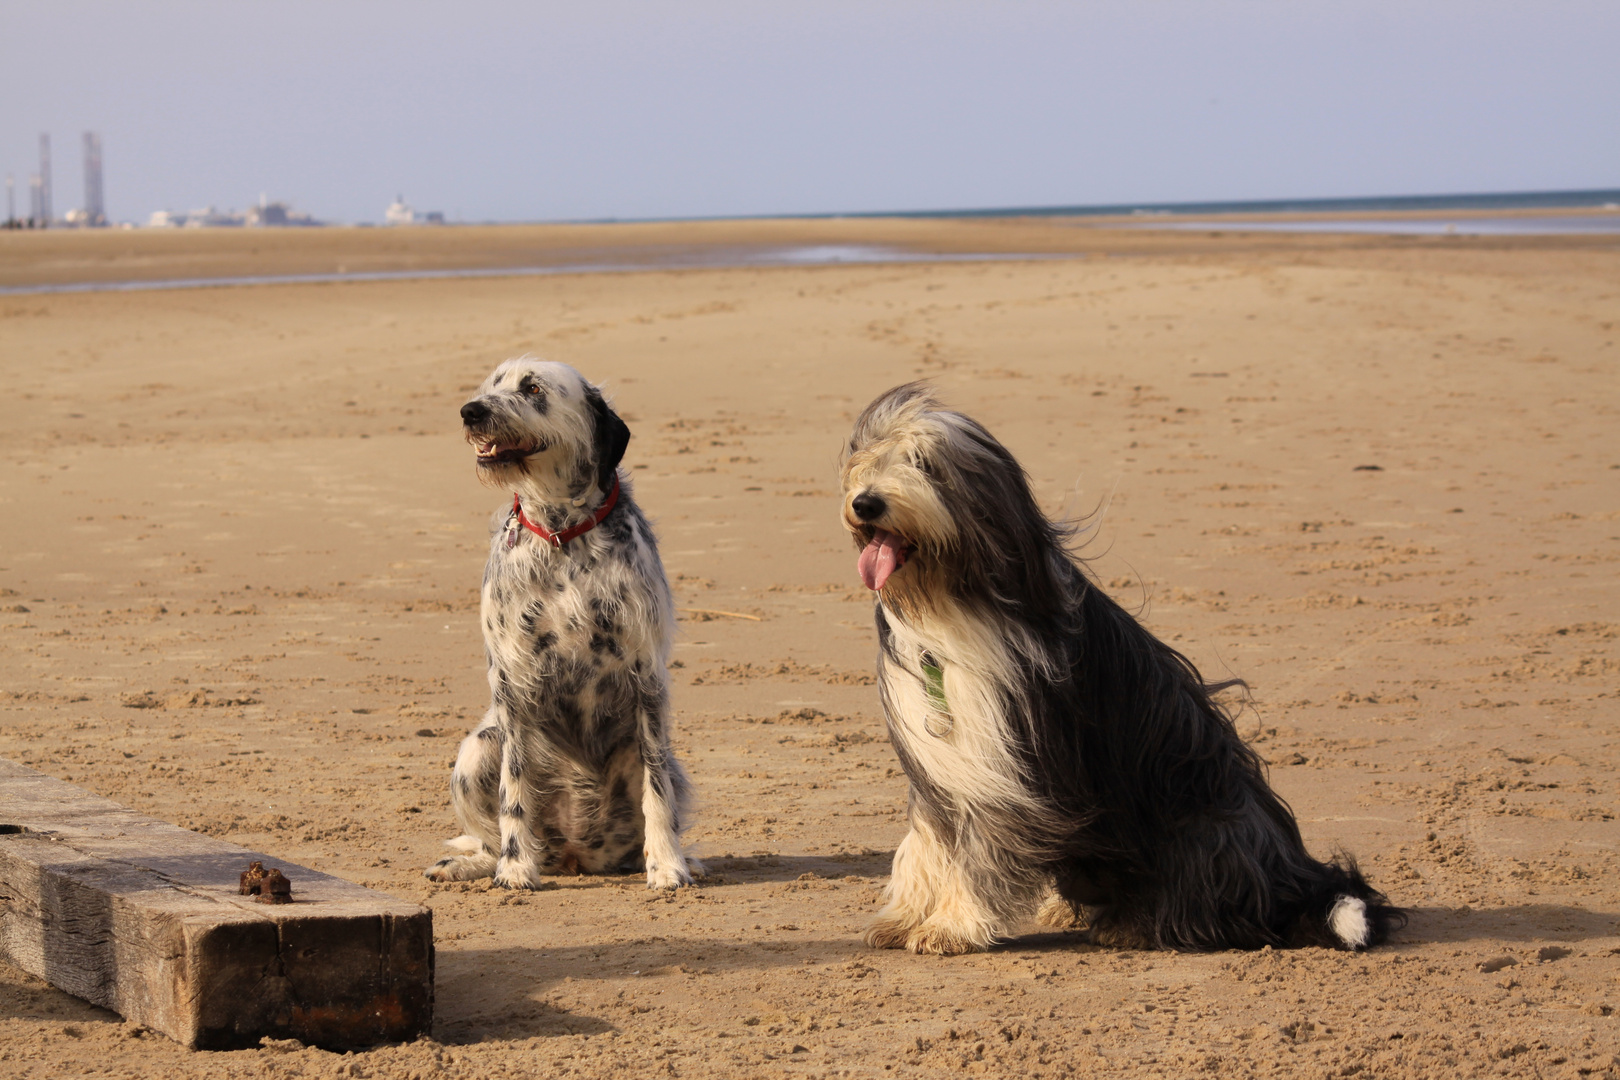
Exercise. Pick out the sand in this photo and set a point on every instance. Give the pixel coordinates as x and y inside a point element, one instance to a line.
<point>240,541</point>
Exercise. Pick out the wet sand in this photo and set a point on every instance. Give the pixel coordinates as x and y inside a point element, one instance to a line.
<point>241,539</point>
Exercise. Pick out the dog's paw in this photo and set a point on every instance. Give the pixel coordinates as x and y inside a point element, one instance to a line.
<point>515,874</point>
<point>938,939</point>
<point>461,868</point>
<point>667,873</point>
<point>888,933</point>
<point>1058,914</point>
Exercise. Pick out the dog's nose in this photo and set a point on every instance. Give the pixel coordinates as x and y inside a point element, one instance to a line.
<point>474,412</point>
<point>868,507</point>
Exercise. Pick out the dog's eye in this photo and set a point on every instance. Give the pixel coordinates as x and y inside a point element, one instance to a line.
<point>533,390</point>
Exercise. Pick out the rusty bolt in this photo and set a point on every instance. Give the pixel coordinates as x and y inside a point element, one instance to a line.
<point>251,878</point>
<point>277,889</point>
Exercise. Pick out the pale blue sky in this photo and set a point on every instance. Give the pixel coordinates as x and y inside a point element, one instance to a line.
<point>528,111</point>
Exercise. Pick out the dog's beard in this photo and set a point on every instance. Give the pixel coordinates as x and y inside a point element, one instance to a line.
<point>885,553</point>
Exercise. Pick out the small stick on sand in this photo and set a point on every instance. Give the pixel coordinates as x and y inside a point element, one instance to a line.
<point>716,611</point>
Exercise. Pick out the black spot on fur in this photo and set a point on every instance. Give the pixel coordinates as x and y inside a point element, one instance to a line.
<point>510,850</point>
<point>622,811</point>
<point>531,614</point>
<point>581,479</point>
<point>544,641</point>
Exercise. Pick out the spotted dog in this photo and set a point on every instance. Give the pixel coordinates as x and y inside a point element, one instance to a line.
<point>570,770</point>
<point>1063,761</point>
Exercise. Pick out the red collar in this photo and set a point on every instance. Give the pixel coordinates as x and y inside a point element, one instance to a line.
<point>558,539</point>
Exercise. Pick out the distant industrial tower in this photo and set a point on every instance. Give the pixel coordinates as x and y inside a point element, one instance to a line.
<point>44,179</point>
<point>95,212</point>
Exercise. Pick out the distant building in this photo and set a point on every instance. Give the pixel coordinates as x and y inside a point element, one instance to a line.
<point>209,218</point>
<point>267,213</point>
<point>400,213</point>
<point>206,218</point>
<point>275,214</point>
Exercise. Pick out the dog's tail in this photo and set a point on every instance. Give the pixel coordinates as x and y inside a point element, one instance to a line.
<point>1345,912</point>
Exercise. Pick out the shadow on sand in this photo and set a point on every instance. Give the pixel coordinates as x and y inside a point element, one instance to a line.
<point>740,869</point>
<point>486,994</point>
<point>1514,922</point>
<point>1427,926</point>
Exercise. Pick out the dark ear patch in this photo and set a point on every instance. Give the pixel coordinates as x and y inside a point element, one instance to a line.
<point>611,437</point>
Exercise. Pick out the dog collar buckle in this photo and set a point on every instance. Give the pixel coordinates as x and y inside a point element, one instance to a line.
<point>558,539</point>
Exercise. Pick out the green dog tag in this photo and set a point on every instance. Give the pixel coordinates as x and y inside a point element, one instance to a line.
<point>934,683</point>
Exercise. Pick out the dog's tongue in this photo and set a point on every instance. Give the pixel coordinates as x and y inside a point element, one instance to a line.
<point>885,554</point>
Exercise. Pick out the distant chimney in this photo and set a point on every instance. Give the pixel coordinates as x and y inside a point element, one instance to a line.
<point>44,179</point>
<point>95,211</point>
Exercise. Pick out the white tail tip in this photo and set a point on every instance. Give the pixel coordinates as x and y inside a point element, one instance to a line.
<point>1348,921</point>
<point>471,844</point>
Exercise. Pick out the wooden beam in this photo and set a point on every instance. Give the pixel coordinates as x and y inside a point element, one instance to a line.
<point>146,919</point>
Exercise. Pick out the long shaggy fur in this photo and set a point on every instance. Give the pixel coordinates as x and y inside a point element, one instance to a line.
<point>570,769</point>
<point>1062,760</point>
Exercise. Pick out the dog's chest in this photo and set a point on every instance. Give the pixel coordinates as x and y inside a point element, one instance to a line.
<point>542,605</point>
<point>946,698</point>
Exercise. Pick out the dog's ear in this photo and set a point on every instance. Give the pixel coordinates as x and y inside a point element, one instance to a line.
<point>611,436</point>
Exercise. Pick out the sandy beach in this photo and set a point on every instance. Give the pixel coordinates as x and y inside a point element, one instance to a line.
<point>1376,477</point>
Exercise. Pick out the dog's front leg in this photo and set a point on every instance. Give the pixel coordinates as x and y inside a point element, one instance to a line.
<point>980,894</point>
<point>913,885</point>
<point>933,903</point>
<point>474,785</point>
<point>962,921</point>
<point>663,791</point>
<point>521,852</point>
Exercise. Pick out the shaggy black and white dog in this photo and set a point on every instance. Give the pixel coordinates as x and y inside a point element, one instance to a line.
<point>570,769</point>
<point>1063,761</point>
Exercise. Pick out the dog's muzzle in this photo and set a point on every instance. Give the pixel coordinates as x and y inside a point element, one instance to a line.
<point>492,449</point>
